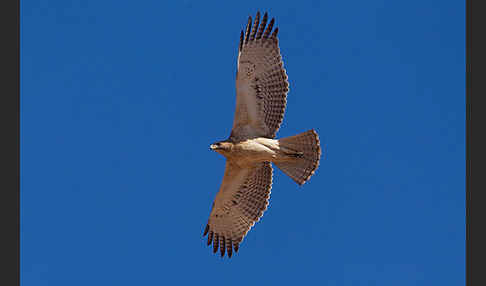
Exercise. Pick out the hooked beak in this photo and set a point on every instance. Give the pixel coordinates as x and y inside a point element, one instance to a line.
<point>213,147</point>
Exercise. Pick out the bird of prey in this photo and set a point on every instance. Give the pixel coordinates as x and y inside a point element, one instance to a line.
<point>261,91</point>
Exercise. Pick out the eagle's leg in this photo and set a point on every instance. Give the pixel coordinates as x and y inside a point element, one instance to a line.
<point>291,153</point>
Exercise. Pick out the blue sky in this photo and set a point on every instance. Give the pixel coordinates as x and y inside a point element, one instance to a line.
<point>120,101</point>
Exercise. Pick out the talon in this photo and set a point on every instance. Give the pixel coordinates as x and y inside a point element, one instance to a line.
<point>297,155</point>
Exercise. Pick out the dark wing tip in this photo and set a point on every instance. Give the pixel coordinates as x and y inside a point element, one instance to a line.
<point>248,30</point>
<point>229,245</point>
<point>257,30</point>
<point>275,32</point>
<point>241,40</point>
<point>216,243</point>
<point>210,237</point>
<point>206,230</point>
<point>222,245</point>
<point>269,28</point>
<point>255,26</point>
<point>262,26</point>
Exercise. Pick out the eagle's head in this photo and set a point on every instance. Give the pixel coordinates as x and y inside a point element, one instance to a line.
<point>221,147</point>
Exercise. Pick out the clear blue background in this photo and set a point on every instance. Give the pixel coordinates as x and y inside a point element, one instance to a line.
<point>121,99</point>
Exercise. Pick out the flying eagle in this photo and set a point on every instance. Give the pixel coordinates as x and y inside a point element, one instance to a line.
<point>261,91</point>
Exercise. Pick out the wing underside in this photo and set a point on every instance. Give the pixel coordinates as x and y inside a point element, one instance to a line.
<point>261,82</point>
<point>239,204</point>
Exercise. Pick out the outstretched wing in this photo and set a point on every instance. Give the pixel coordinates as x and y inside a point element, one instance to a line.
<point>261,82</point>
<point>240,202</point>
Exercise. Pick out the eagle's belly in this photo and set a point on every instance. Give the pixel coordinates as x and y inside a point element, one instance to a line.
<point>255,150</point>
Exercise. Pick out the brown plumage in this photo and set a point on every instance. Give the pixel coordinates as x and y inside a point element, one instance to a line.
<point>261,92</point>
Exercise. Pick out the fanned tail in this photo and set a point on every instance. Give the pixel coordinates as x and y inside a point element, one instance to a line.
<point>307,152</point>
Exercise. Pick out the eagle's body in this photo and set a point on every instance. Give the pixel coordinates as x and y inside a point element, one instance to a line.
<point>261,92</point>
<point>256,150</point>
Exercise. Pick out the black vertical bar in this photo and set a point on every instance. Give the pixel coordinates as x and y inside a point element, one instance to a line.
<point>9,137</point>
<point>468,139</point>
